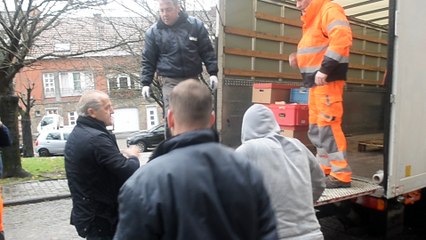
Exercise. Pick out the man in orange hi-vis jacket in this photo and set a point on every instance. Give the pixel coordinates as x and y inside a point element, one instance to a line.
<point>322,57</point>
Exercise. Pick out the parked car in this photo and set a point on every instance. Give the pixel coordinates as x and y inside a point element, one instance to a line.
<point>147,138</point>
<point>52,142</point>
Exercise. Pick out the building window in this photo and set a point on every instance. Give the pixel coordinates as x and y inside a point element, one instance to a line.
<point>70,83</point>
<point>73,83</point>
<point>51,111</point>
<point>123,81</point>
<point>49,85</point>
<point>151,116</point>
<point>72,118</point>
<point>77,81</point>
<point>62,47</point>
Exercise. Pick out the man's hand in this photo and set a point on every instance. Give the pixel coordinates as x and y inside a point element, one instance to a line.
<point>145,92</point>
<point>213,83</point>
<point>131,151</point>
<point>292,60</point>
<point>320,78</point>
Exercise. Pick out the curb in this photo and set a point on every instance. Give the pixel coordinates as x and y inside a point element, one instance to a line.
<point>35,200</point>
<point>35,191</point>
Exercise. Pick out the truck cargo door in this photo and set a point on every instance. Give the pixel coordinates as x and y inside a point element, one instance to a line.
<point>407,133</point>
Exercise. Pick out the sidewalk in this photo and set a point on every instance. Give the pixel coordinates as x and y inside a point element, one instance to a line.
<point>46,190</point>
<point>35,191</point>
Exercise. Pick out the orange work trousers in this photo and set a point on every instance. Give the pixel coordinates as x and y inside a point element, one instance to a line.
<point>325,129</point>
<point>1,212</point>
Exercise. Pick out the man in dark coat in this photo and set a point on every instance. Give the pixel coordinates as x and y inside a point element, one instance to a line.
<point>96,169</point>
<point>175,48</point>
<point>193,187</point>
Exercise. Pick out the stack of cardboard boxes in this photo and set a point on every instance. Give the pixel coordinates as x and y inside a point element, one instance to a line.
<point>293,118</point>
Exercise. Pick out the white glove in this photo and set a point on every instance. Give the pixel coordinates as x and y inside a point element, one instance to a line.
<point>213,83</point>
<point>145,92</point>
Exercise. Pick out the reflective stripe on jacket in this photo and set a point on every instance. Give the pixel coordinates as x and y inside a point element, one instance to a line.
<point>326,42</point>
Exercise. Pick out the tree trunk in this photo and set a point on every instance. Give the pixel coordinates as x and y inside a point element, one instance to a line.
<point>27,137</point>
<point>11,156</point>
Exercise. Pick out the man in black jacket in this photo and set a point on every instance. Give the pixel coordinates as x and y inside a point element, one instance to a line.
<point>176,47</point>
<point>96,169</point>
<point>193,187</point>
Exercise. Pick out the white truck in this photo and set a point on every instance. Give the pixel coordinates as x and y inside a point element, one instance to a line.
<point>384,100</point>
<point>50,122</point>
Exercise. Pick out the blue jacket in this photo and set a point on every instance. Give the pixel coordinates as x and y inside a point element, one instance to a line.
<point>195,188</point>
<point>177,51</point>
<point>95,171</point>
<point>5,138</point>
<point>5,141</point>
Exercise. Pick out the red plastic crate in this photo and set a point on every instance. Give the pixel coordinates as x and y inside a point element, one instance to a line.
<point>290,114</point>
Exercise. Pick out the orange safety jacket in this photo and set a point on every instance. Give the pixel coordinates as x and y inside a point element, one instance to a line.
<point>325,43</point>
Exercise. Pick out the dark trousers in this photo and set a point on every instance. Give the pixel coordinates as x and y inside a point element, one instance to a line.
<point>168,85</point>
<point>100,229</point>
<point>100,238</point>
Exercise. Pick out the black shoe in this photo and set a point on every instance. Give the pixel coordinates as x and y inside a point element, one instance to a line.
<point>332,182</point>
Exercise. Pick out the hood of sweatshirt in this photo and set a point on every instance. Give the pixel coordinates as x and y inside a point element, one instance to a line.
<point>258,122</point>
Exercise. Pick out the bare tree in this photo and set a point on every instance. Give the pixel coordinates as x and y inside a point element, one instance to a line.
<point>22,24</point>
<point>25,113</point>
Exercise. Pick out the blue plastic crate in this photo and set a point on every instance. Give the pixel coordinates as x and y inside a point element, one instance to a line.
<point>299,95</point>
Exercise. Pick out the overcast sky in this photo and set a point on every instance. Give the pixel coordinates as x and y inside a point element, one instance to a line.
<point>120,8</point>
<point>115,8</point>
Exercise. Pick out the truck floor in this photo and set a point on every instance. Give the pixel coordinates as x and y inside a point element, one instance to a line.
<point>364,165</point>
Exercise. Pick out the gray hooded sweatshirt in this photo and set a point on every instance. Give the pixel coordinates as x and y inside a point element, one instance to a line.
<point>292,175</point>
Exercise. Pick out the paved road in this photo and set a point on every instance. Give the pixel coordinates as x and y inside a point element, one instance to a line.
<point>50,221</point>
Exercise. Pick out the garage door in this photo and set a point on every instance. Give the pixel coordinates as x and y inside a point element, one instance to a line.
<point>126,120</point>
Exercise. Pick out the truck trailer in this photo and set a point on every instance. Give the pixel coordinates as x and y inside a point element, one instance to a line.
<point>384,103</point>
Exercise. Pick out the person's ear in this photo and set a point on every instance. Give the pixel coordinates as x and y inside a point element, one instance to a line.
<point>170,119</point>
<point>212,119</point>
<point>91,112</point>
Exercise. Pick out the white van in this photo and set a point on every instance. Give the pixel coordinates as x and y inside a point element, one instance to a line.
<point>50,122</point>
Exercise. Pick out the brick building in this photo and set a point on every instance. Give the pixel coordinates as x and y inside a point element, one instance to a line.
<point>91,63</point>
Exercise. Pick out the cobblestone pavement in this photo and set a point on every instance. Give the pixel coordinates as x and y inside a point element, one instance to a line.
<point>35,191</point>
<point>39,221</point>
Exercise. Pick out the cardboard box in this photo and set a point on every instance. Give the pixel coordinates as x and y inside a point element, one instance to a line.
<point>290,114</point>
<point>270,92</point>
<point>300,132</point>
